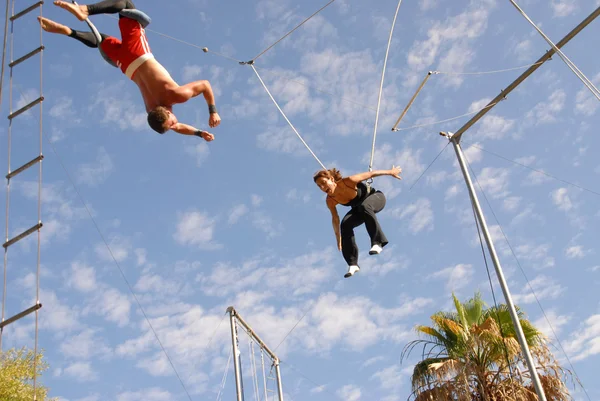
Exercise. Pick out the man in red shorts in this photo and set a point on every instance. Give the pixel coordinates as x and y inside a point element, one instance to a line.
<point>133,56</point>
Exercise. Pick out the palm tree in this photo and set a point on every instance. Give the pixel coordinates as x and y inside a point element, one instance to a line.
<point>472,354</point>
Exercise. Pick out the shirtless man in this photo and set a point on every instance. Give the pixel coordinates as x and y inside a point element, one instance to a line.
<point>133,56</point>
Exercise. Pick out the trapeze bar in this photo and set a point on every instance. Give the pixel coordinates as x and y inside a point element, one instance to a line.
<point>25,57</point>
<point>25,167</point>
<point>28,9</point>
<point>22,235</point>
<point>21,315</point>
<point>24,109</point>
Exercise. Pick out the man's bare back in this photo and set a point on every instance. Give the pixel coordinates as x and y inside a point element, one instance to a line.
<point>158,89</point>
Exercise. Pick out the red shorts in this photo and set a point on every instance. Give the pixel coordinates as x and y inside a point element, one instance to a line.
<point>130,53</point>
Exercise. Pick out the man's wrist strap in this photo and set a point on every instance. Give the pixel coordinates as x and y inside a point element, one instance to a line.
<point>212,109</point>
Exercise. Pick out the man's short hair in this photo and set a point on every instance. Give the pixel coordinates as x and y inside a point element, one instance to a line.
<point>157,118</point>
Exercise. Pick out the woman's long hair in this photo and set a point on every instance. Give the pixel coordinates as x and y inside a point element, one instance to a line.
<point>332,173</point>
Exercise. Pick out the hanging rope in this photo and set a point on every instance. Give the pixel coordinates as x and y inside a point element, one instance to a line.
<point>387,52</point>
<point>286,119</point>
<point>568,62</point>
<point>290,32</point>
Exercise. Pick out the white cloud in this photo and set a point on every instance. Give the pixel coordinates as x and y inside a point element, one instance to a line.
<point>494,181</point>
<point>564,8</point>
<point>63,110</point>
<point>546,112</point>
<point>236,213</point>
<point>584,341</point>
<point>118,247</point>
<point>552,320</point>
<point>256,200</point>
<point>191,72</point>
<point>349,392</point>
<point>94,174</point>
<point>544,288</point>
<point>276,276</point>
<point>419,214</point>
<point>199,152</point>
<point>118,108</point>
<point>389,378</point>
<point>84,345</point>
<point>575,252</point>
<point>149,394</point>
<point>111,304</point>
<point>538,255</point>
<point>524,50</point>
<point>195,228</point>
<point>81,371</point>
<point>586,103</point>
<point>82,277</point>
<point>294,194</point>
<point>561,199</point>
<point>457,276</point>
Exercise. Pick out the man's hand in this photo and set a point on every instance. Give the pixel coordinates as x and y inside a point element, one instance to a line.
<point>214,120</point>
<point>339,243</point>
<point>207,136</point>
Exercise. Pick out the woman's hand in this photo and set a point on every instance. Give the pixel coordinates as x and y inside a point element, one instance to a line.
<point>395,172</point>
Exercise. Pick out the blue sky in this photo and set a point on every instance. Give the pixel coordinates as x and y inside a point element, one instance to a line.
<point>197,227</point>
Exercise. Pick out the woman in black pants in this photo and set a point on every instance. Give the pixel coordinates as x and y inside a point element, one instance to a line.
<point>364,203</point>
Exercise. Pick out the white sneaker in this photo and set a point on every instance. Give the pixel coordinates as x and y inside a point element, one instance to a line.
<point>375,250</point>
<point>351,270</point>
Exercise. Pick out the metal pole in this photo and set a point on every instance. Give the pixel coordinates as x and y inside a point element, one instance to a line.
<point>527,73</point>
<point>513,313</point>
<point>236,355</point>
<point>278,374</point>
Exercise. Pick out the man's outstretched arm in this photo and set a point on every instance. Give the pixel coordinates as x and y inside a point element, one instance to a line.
<point>193,89</point>
<point>185,129</point>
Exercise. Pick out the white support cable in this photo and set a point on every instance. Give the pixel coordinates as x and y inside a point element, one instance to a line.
<point>567,61</point>
<point>448,119</point>
<point>284,116</point>
<point>290,32</point>
<point>486,72</point>
<point>224,380</point>
<point>387,51</point>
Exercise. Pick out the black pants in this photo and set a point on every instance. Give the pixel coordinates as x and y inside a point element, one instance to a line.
<point>103,7</point>
<point>363,213</point>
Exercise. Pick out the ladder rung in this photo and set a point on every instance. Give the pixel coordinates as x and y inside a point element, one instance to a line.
<point>21,315</point>
<point>25,167</point>
<point>22,235</point>
<point>25,108</point>
<point>28,9</point>
<point>25,57</point>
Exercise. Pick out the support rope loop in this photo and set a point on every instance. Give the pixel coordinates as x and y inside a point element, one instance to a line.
<point>286,119</point>
<point>387,52</point>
